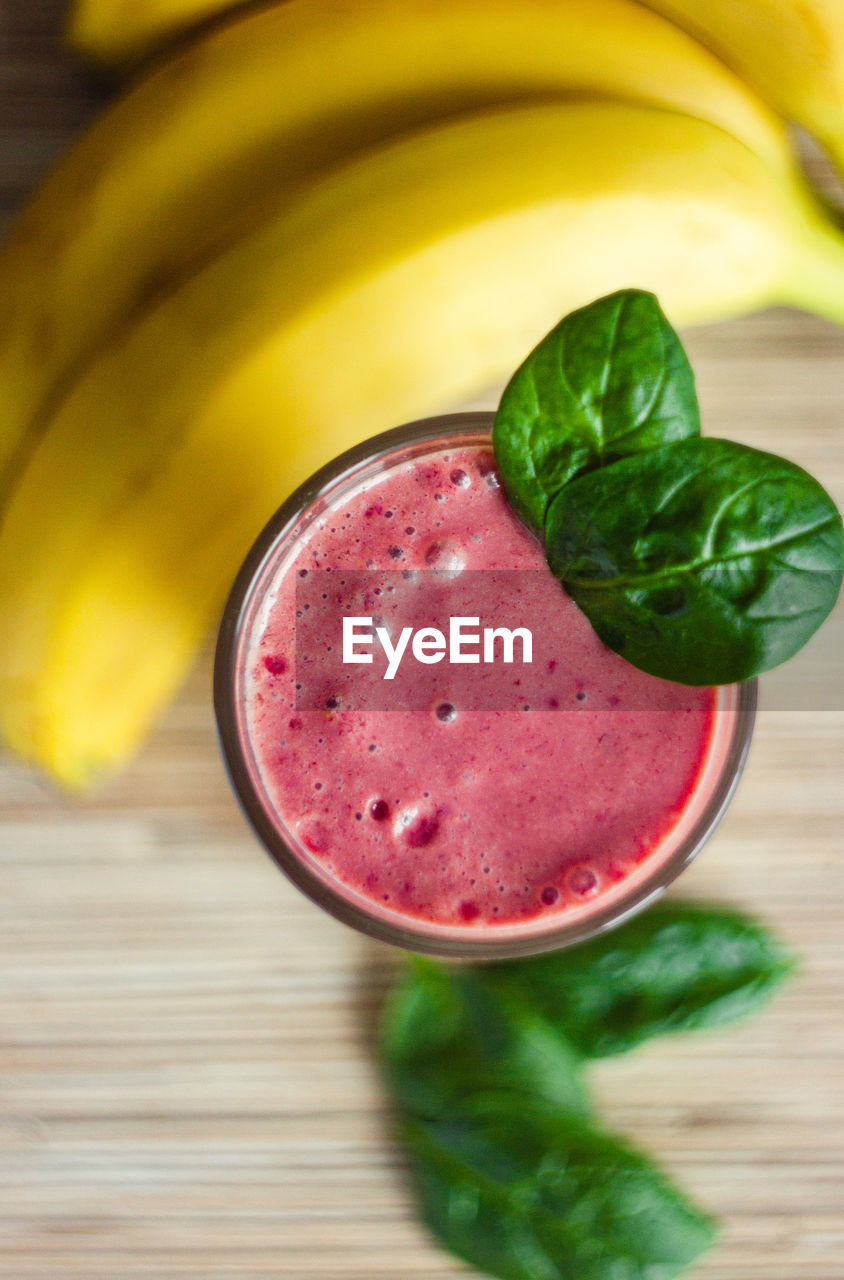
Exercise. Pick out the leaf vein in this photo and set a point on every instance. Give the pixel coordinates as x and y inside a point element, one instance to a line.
<point>692,566</point>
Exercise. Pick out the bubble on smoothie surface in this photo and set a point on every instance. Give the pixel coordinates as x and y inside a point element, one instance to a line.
<point>314,835</point>
<point>446,712</point>
<point>416,824</point>
<point>446,557</point>
<point>582,881</point>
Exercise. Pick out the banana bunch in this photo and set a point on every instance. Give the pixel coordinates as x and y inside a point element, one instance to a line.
<point>791,51</point>
<point>325,218</point>
<point>240,122</point>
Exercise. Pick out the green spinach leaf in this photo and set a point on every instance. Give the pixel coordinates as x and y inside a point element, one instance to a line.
<point>612,379</point>
<point>678,966</point>
<point>703,562</point>
<point>485,1065</point>
<point>531,1194</point>
<point>446,1035</point>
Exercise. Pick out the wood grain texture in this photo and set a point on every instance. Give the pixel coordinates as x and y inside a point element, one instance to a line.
<point>186,1079</point>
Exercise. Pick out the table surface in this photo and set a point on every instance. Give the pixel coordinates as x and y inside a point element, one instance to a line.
<point>187,1084</point>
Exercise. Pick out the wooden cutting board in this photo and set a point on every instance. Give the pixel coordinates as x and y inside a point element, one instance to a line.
<point>186,1077</point>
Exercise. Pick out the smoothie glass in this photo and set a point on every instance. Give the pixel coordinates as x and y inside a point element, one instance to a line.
<point>276,548</point>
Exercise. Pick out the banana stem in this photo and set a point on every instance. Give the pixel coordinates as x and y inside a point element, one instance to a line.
<point>817,279</point>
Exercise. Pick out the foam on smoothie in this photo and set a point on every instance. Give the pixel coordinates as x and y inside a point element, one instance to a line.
<point>449,813</point>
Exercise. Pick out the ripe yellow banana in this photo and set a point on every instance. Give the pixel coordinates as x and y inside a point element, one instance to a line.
<point>396,285</point>
<point>114,33</point>
<point>254,110</point>
<point>791,50</point>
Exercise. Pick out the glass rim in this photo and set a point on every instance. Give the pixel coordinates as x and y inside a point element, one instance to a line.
<point>344,903</point>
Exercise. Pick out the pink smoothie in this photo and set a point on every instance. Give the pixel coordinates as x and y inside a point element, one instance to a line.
<point>493,796</point>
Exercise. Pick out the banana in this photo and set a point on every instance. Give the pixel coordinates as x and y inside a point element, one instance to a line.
<point>399,283</point>
<point>244,117</point>
<point>114,34</point>
<point>791,50</point>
